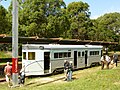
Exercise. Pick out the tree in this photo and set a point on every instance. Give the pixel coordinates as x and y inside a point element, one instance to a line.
<point>4,23</point>
<point>31,17</point>
<point>51,18</point>
<point>35,16</point>
<point>109,26</point>
<point>78,13</point>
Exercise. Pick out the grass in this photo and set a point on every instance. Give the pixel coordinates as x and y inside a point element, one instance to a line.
<point>87,79</point>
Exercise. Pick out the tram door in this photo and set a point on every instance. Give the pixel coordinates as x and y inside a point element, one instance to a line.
<point>46,62</point>
<point>86,56</point>
<point>75,59</point>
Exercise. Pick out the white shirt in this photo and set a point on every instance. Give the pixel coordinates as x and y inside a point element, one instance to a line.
<point>107,58</point>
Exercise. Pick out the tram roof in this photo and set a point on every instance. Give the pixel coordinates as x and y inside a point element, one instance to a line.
<point>58,46</point>
<point>37,40</point>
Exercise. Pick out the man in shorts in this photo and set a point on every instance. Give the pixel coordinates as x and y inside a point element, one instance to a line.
<point>8,73</point>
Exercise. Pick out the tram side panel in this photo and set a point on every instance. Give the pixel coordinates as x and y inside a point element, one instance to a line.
<point>58,57</point>
<point>39,61</point>
<point>34,62</point>
<point>94,56</point>
<point>88,57</point>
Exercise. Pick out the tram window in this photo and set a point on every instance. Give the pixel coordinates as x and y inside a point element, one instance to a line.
<point>94,52</point>
<point>60,55</point>
<point>31,55</point>
<point>97,52</point>
<point>55,55</point>
<point>91,53</point>
<point>69,54</point>
<point>65,54</point>
<point>83,53</point>
<point>79,54</point>
<point>24,55</point>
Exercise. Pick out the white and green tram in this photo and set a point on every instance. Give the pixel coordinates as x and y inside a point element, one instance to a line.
<point>41,59</point>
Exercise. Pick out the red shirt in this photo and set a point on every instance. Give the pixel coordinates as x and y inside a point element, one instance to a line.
<point>8,70</point>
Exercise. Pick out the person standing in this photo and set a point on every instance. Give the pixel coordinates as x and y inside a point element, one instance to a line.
<point>66,64</point>
<point>115,58</point>
<point>105,59</point>
<point>8,73</point>
<point>108,59</point>
<point>69,73</point>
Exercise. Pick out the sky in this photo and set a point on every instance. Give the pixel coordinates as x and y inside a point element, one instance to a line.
<point>97,7</point>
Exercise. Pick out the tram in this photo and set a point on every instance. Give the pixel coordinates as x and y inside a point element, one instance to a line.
<point>42,59</point>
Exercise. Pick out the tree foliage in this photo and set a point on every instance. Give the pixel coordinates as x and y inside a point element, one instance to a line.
<point>40,18</point>
<point>78,13</point>
<point>109,26</point>
<point>53,19</point>
<point>4,23</point>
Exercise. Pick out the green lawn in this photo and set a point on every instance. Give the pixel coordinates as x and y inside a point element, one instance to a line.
<point>89,79</point>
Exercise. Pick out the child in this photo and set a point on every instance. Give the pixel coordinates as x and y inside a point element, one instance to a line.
<point>21,78</point>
